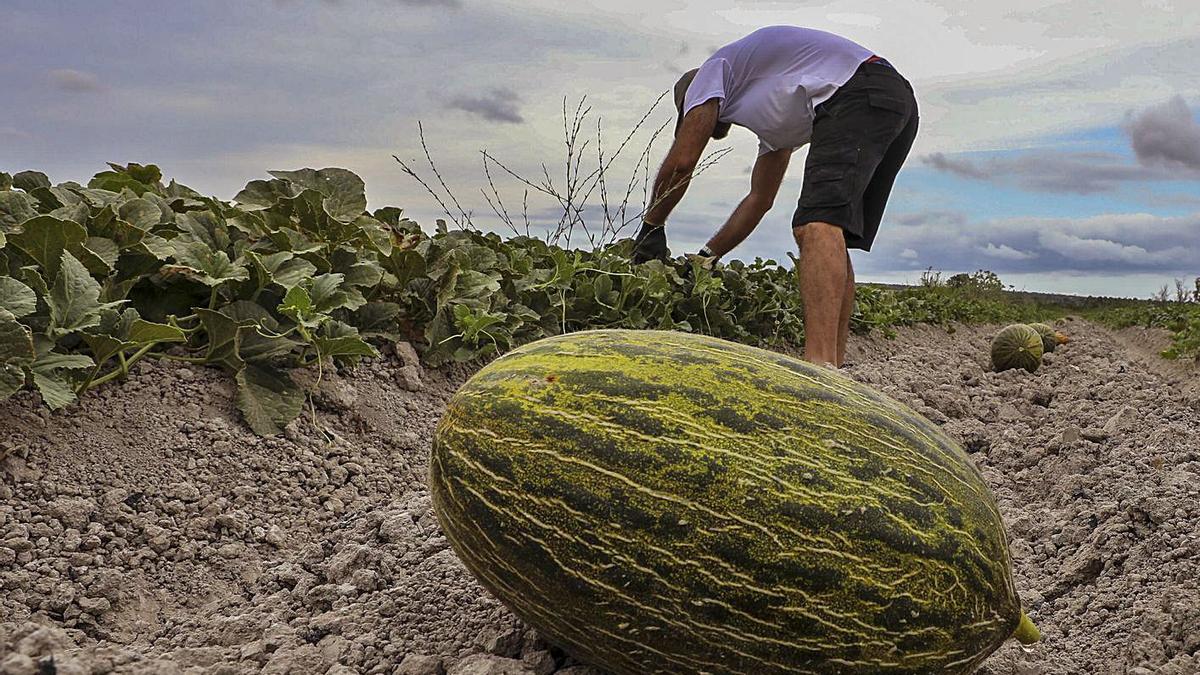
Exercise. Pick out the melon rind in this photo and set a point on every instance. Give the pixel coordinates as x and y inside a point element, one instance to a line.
<point>1049,336</point>
<point>1017,346</point>
<point>660,502</point>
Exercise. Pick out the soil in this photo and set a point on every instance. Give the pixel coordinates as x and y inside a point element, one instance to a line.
<point>146,530</point>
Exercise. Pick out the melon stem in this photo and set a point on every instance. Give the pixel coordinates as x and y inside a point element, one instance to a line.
<point>1026,633</point>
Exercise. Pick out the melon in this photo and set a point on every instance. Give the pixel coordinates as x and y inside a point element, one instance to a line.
<point>668,503</point>
<point>1049,336</point>
<point>1017,346</point>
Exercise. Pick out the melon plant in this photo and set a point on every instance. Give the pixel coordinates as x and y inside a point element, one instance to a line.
<point>1017,346</point>
<point>663,502</point>
<point>1049,336</point>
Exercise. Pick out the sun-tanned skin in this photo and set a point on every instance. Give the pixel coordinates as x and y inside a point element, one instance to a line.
<point>826,275</point>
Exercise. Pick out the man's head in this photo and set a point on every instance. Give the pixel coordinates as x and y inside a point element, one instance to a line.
<point>681,87</point>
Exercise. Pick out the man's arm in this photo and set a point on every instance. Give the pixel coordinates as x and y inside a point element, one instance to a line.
<point>764,185</point>
<point>676,171</point>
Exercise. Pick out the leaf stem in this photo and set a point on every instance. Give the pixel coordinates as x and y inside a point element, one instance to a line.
<point>125,365</point>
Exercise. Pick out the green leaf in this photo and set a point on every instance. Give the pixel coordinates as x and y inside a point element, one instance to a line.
<point>140,179</point>
<point>263,194</point>
<point>293,272</point>
<point>141,213</point>
<point>200,263</point>
<point>157,247</point>
<point>115,182</point>
<point>99,255</point>
<point>56,389</point>
<point>74,299</point>
<point>52,362</point>
<point>475,323</point>
<point>376,234</point>
<point>16,297</point>
<point>16,352</point>
<point>329,293</point>
<point>35,280</point>
<point>343,346</point>
<point>298,306</point>
<point>104,347</point>
<point>344,192</point>
<point>342,341</point>
<point>377,318</point>
<point>30,180</point>
<point>149,174</point>
<point>96,197</point>
<point>144,332</point>
<point>269,400</point>
<point>52,377</point>
<point>224,338</point>
<point>204,227</point>
<point>77,212</point>
<point>280,268</point>
<point>258,342</point>
<point>108,225</point>
<point>405,265</point>
<point>365,274</point>
<point>45,238</point>
<point>15,208</point>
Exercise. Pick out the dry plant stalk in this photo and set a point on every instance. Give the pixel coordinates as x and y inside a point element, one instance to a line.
<point>575,193</point>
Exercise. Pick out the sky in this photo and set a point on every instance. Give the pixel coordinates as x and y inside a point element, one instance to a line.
<point>1059,142</point>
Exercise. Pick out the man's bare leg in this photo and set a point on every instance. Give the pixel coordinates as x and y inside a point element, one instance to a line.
<point>823,280</point>
<point>847,311</point>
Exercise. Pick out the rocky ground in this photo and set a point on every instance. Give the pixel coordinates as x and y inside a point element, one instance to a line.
<point>147,531</point>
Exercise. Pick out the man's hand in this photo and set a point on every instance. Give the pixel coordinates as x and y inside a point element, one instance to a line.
<point>650,244</point>
<point>705,260</point>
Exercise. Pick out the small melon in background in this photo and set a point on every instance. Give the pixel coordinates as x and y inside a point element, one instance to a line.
<point>1017,346</point>
<point>1049,336</point>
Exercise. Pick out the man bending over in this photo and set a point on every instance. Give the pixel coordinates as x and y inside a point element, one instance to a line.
<point>792,86</point>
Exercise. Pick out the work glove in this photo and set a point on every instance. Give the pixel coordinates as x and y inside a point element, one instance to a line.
<point>650,244</point>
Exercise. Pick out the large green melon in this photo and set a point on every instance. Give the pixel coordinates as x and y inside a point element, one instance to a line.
<point>1049,336</point>
<point>1017,346</point>
<point>659,502</point>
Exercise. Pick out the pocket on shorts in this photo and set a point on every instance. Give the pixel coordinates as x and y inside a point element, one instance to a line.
<point>828,183</point>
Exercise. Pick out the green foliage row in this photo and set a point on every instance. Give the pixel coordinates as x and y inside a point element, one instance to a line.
<point>1182,319</point>
<point>296,273</point>
<point>964,298</point>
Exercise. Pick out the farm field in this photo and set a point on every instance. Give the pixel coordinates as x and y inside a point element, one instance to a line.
<point>687,338</point>
<point>148,530</point>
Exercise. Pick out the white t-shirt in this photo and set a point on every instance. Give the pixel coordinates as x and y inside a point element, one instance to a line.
<point>770,81</point>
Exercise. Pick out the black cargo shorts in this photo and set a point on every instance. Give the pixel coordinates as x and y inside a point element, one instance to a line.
<point>860,139</point>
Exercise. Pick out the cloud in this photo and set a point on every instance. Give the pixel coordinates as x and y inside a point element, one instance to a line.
<point>908,254</point>
<point>1003,251</point>
<point>14,133</point>
<point>410,3</point>
<point>499,106</point>
<point>1110,244</point>
<point>1105,250</point>
<point>1166,135</point>
<point>75,81</point>
<point>1081,173</point>
<point>960,167</point>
